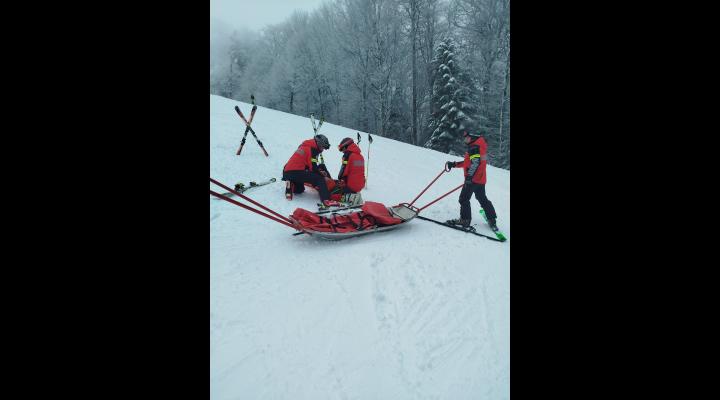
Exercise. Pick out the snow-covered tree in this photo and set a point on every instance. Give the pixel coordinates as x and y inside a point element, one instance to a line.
<point>352,62</point>
<point>452,103</point>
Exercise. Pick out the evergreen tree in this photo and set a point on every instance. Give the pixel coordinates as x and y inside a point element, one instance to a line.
<point>452,105</point>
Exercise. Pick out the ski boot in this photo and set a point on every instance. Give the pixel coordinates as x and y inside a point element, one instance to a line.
<point>492,224</point>
<point>352,199</point>
<point>461,222</point>
<point>289,190</point>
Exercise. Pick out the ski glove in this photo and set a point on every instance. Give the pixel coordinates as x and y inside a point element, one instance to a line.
<point>322,170</point>
<point>468,182</point>
<point>450,165</point>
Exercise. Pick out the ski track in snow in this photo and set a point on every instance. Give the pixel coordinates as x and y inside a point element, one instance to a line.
<point>394,315</point>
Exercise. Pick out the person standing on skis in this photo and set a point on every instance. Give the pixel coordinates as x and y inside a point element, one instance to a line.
<point>474,165</point>
<point>303,167</point>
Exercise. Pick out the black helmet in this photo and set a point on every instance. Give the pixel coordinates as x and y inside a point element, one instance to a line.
<point>472,134</point>
<point>322,141</point>
<point>345,143</point>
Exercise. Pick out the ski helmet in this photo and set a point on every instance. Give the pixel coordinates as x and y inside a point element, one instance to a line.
<point>473,135</point>
<point>322,141</point>
<point>345,143</point>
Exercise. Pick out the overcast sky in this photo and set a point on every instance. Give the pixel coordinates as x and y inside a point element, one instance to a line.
<point>255,14</point>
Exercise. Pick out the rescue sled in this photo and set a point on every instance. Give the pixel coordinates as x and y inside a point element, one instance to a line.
<point>371,218</point>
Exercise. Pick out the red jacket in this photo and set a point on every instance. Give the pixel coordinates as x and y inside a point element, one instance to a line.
<point>353,168</point>
<point>476,150</point>
<point>304,158</point>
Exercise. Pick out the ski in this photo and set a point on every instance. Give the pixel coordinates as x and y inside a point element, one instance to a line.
<point>324,210</point>
<point>497,232</point>
<point>241,188</point>
<point>312,121</point>
<point>466,230</point>
<point>242,116</point>
<point>249,121</point>
<point>323,207</point>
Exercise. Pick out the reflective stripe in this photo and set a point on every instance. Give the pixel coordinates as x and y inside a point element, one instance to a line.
<point>344,162</point>
<point>478,155</point>
<point>313,160</point>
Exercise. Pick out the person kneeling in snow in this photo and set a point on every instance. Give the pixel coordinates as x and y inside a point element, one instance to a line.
<point>303,167</point>
<point>351,179</point>
<point>474,164</point>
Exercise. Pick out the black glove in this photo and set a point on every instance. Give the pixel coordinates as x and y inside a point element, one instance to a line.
<point>468,182</point>
<point>450,165</point>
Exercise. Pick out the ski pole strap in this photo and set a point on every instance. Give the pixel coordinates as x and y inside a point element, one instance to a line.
<point>250,200</point>
<point>438,199</point>
<point>237,203</point>
<point>428,186</point>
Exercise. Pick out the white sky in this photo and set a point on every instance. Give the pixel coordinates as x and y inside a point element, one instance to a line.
<point>256,14</point>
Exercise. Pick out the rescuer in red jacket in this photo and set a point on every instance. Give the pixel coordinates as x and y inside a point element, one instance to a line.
<point>303,167</point>
<point>352,171</point>
<point>474,165</point>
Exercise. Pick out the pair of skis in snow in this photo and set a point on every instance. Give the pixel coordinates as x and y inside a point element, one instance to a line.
<point>499,236</point>
<point>248,128</point>
<point>241,188</point>
<point>312,121</point>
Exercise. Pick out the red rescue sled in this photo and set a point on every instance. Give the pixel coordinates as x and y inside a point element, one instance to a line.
<point>373,217</point>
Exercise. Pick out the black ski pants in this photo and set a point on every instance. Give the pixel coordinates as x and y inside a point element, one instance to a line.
<point>479,190</point>
<point>298,178</point>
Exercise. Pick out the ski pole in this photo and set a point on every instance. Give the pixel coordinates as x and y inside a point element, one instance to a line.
<point>367,171</point>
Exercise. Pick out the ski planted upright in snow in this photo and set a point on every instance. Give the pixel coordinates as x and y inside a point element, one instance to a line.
<point>249,121</point>
<point>241,188</point>
<point>242,116</point>
<point>312,121</point>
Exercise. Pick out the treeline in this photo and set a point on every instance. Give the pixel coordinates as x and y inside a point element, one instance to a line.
<point>419,71</point>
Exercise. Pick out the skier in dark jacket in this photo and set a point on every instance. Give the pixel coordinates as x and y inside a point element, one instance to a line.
<point>303,167</point>
<point>475,164</point>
